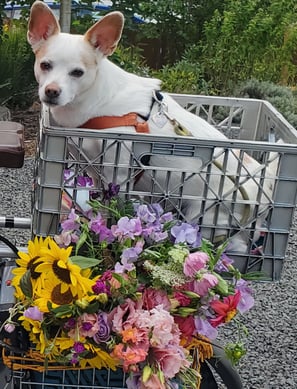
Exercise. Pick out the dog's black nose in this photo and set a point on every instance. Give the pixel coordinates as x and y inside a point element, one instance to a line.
<point>52,91</point>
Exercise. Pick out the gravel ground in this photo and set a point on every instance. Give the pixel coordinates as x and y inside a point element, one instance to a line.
<point>271,361</point>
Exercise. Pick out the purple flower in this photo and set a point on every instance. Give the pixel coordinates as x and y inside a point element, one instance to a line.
<point>74,359</point>
<point>186,233</point>
<point>98,225</point>
<point>132,253</point>
<point>9,327</point>
<point>70,324</point>
<point>156,209</point>
<point>34,313</point>
<point>103,335</point>
<point>87,326</point>
<point>112,191</point>
<point>101,287</point>
<point>123,266</point>
<point>154,232</point>
<point>127,228</point>
<point>72,222</point>
<point>69,177</point>
<point>166,217</point>
<point>158,236</point>
<point>84,181</point>
<point>144,214</point>
<point>128,257</point>
<point>134,381</point>
<point>223,263</point>
<point>203,327</point>
<point>246,301</point>
<point>78,347</point>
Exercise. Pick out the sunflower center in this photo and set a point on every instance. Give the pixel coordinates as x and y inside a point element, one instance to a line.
<point>90,355</point>
<point>61,298</point>
<point>32,264</point>
<point>61,273</point>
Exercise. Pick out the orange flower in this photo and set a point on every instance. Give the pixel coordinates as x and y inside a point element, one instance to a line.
<point>129,356</point>
<point>130,335</point>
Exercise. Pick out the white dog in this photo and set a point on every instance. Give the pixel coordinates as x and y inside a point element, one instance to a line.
<point>78,83</point>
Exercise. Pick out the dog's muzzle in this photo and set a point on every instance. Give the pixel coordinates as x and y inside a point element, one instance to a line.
<point>52,93</point>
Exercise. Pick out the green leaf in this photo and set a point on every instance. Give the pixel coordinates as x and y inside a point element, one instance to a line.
<point>222,286</point>
<point>119,278</point>
<point>26,284</point>
<point>84,262</point>
<point>186,311</point>
<point>93,307</point>
<point>82,239</point>
<point>255,276</point>
<point>62,310</point>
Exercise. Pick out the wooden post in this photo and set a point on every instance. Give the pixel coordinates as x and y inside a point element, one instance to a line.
<point>65,15</point>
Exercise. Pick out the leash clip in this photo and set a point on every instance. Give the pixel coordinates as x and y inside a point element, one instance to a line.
<point>162,116</point>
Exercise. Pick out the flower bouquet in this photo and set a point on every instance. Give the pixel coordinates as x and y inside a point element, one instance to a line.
<point>126,285</point>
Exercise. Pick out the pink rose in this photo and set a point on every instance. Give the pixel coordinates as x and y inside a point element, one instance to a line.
<point>163,328</point>
<point>119,315</point>
<point>153,297</point>
<point>207,282</point>
<point>170,360</point>
<point>195,262</point>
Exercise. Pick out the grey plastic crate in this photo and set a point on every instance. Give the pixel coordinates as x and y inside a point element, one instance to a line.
<point>69,379</point>
<point>207,183</point>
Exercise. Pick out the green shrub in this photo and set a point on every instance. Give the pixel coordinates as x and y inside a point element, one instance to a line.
<point>281,97</point>
<point>130,59</point>
<point>183,77</point>
<point>16,67</point>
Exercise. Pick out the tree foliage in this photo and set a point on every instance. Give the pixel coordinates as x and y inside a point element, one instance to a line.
<point>172,26</point>
<point>205,45</point>
<point>254,38</point>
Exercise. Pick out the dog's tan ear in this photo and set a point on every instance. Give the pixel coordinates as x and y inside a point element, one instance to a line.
<point>106,33</point>
<point>42,24</point>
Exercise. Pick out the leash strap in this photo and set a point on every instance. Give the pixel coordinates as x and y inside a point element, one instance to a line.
<point>104,122</point>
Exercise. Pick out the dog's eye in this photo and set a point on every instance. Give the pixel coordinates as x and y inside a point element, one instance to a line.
<point>76,73</point>
<point>45,66</point>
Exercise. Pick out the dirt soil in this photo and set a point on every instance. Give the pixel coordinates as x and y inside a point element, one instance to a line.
<point>29,118</point>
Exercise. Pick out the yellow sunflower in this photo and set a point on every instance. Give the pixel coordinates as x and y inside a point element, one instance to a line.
<point>98,358</point>
<point>62,344</point>
<point>56,265</point>
<point>28,262</point>
<point>52,292</point>
<point>36,335</point>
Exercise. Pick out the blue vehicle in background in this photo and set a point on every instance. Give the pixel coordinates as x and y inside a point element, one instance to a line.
<point>13,10</point>
<point>106,5</point>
